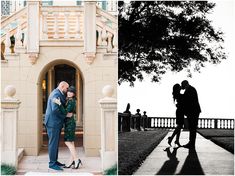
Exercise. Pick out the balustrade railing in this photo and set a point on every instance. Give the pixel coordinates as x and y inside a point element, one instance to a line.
<point>62,22</point>
<point>127,121</point>
<point>13,32</point>
<point>106,30</point>
<point>203,123</point>
<point>58,23</point>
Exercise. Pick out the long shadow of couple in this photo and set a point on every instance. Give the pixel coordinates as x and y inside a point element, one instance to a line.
<point>191,164</point>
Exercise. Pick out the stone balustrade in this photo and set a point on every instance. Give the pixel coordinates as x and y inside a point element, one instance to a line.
<point>107,31</point>
<point>14,29</point>
<point>127,121</point>
<point>58,24</point>
<point>61,22</point>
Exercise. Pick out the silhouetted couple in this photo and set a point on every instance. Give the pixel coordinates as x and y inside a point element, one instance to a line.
<point>187,105</point>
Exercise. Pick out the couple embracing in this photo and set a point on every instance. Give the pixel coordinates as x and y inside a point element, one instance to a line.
<point>60,113</point>
<point>187,105</point>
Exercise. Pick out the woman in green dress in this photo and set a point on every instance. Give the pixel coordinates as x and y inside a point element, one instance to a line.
<point>70,126</point>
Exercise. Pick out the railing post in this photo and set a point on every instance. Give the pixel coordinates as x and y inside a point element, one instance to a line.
<point>44,28</point>
<point>18,43</point>
<point>108,128</point>
<point>56,27</point>
<point>33,31</point>
<point>215,123</point>
<point>8,41</point>
<point>109,48</point>
<point>115,41</point>
<point>66,25</point>
<point>89,31</point>
<point>9,119</point>
<point>78,30</point>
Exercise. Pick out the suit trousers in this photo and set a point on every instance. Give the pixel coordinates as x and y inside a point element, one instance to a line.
<point>193,122</point>
<point>53,144</point>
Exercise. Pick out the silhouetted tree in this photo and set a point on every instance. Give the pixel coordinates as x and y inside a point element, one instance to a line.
<point>156,36</point>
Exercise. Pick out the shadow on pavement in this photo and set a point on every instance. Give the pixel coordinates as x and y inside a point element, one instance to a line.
<point>169,167</point>
<point>191,165</point>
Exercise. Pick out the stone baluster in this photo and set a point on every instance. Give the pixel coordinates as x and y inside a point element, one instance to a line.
<point>56,27</point>
<point>108,128</point>
<point>99,42</point>
<point>115,41</point>
<point>9,119</point>
<point>104,36</point>
<point>78,29</point>
<point>8,41</point>
<point>18,36</point>
<point>109,48</point>
<point>66,25</point>
<point>45,28</point>
<point>25,39</point>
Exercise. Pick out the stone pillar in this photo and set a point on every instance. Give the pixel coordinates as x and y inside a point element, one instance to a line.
<point>33,32</point>
<point>89,31</point>
<point>9,119</point>
<point>108,128</point>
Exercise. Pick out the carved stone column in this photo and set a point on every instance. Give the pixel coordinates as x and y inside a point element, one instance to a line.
<point>108,128</point>
<point>9,119</point>
<point>89,31</point>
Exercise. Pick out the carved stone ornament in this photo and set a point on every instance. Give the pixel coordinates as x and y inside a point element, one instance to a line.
<point>33,58</point>
<point>90,57</point>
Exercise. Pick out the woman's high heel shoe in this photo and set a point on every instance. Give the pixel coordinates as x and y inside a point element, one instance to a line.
<point>73,163</point>
<point>169,140</point>
<point>77,164</point>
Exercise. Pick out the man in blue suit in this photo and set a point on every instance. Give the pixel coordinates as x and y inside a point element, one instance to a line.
<point>54,120</point>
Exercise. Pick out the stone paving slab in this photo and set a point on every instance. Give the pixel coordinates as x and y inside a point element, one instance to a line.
<point>38,165</point>
<point>206,159</point>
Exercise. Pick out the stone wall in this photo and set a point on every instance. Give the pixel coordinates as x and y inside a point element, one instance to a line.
<point>26,78</point>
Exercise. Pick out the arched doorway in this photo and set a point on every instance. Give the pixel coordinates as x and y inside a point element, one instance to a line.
<point>51,76</point>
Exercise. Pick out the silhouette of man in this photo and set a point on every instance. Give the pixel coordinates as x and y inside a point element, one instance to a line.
<point>192,110</point>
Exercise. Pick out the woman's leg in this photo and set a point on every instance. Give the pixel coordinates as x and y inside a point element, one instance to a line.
<point>73,151</point>
<point>179,127</point>
<point>68,144</point>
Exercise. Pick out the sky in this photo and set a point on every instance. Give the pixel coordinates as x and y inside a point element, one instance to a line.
<point>215,84</point>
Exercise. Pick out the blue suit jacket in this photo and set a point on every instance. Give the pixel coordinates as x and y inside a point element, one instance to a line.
<point>54,118</point>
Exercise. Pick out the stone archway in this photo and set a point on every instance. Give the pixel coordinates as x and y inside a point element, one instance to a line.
<point>50,75</point>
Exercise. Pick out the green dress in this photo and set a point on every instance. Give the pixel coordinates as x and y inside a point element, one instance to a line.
<point>70,123</point>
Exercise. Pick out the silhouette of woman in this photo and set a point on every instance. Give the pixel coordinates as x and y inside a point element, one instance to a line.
<point>178,99</point>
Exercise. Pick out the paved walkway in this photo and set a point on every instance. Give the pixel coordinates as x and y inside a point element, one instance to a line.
<point>206,159</point>
<point>38,165</point>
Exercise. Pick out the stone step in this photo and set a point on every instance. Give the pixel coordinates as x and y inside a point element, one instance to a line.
<point>58,173</point>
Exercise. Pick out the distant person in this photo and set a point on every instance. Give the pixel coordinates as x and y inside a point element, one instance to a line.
<point>192,110</point>
<point>70,126</point>
<point>178,99</point>
<point>54,121</point>
<point>137,119</point>
<point>126,120</point>
<point>145,120</point>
